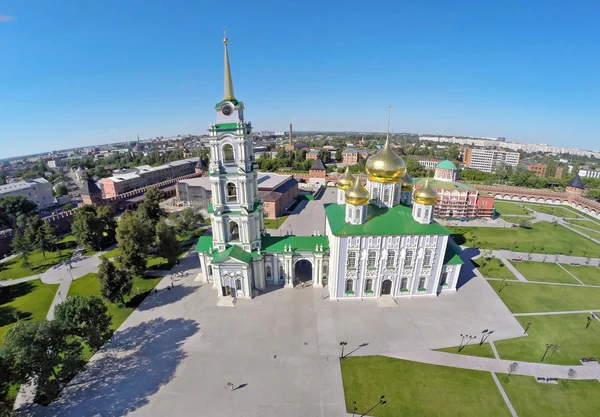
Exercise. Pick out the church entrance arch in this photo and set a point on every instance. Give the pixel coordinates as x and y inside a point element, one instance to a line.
<point>303,270</point>
<point>386,287</point>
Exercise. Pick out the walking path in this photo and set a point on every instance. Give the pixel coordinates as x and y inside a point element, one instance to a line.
<point>493,346</point>
<point>564,224</point>
<point>514,270</point>
<point>550,313</point>
<point>504,396</point>
<point>547,283</point>
<point>578,280</point>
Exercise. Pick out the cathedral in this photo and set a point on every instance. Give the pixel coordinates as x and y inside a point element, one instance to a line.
<point>380,241</point>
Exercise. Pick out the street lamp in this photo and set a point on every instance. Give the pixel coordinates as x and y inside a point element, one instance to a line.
<point>548,346</point>
<point>483,333</point>
<point>342,344</point>
<point>589,319</point>
<point>527,328</point>
<point>381,401</point>
<point>464,337</point>
<point>354,411</point>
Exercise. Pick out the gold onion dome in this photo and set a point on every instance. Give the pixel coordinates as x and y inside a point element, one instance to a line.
<point>345,180</point>
<point>407,182</point>
<point>425,195</point>
<point>357,194</point>
<point>385,165</point>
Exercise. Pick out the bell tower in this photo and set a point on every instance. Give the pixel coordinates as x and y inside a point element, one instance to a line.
<point>236,209</point>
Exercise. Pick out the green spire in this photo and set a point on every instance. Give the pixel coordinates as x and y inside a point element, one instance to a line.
<point>228,81</point>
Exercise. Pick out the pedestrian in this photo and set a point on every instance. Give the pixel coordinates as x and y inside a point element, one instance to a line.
<point>155,291</point>
<point>230,385</point>
<point>302,284</point>
<point>171,285</point>
<point>169,288</point>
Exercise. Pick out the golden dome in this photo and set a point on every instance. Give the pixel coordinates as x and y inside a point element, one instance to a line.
<point>357,194</point>
<point>345,180</point>
<point>407,182</point>
<point>385,165</point>
<point>425,195</point>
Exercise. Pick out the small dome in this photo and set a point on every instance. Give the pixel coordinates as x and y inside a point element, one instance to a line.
<point>345,180</point>
<point>407,182</point>
<point>357,194</point>
<point>446,165</point>
<point>385,165</point>
<point>425,195</point>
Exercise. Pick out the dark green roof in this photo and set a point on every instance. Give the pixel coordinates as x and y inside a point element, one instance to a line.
<point>234,102</point>
<point>226,126</point>
<point>275,244</point>
<point>204,243</point>
<point>446,165</point>
<point>453,252</point>
<point>234,252</point>
<point>393,221</point>
<point>445,185</point>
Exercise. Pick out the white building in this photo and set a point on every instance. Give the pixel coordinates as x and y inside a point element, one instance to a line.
<point>38,190</point>
<point>590,173</point>
<point>487,160</point>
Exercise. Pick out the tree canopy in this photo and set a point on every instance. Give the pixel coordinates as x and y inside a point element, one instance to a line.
<point>13,206</point>
<point>134,237</point>
<point>115,283</point>
<point>166,242</point>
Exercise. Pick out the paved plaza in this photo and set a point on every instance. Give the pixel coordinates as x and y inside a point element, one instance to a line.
<point>176,353</point>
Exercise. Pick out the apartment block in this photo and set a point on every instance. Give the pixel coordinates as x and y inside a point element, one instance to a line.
<point>38,190</point>
<point>539,169</point>
<point>589,173</point>
<point>487,160</point>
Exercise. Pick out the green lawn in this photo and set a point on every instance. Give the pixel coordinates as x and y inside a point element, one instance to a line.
<point>472,349</point>
<point>542,237</point>
<point>586,223</point>
<point>567,398</point>
<point>565,330</point>
<point>275,223</point>
<point>589,233</point>
<point>13,268</point>
<point>523,297</point>
<point>493,268</point>
<point>544,272</point>
<point>111,253</point>
<point>587,274</point>
<point>503,207</point>
<point>417,389</point>
<point>29,300</point>
<point>557,211</point>
<point>90,285</point>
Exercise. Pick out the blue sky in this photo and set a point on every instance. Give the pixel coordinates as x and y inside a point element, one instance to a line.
<point>80,72</point>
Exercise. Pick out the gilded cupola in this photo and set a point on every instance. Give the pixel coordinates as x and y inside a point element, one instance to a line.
<point>345,180</point>
<point>425,195</point>
<point>385,165</point>
<point>357,194</point>
<point>407,182</point>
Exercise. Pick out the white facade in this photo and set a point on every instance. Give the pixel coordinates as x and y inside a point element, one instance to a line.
<point>38,190</point>
<point>590,173</point>
<point>487,160</point>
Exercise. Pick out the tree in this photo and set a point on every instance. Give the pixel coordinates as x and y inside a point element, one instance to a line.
<point>42,350</point>
<point>166,242</point>
<point>114,283</point>
<point>40,236</point>
<point>149,211</point>
<point>67,207</point>
<point>21,246</point>
<point>185,223</point>
<point>338,155</point>
<point>12,206</point>
<point>87,228</point>
<point>133,236</point>
<point>512,368</point>
<point>6,381</point>
<point>86,318</point>
<point>106,216</point>
<point>61,189</point>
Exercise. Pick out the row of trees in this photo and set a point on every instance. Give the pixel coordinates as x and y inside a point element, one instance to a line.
<point>35,235</point>
<point>94,228</point>
<point>51,351</point>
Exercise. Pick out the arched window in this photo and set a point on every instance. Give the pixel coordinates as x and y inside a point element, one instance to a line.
<point>427,258</point>
<point>444,278</point>
<point>351,260</point>
<point>375,193</point>
<point>238,285</point>
<point>349,212</point>
<point>419,212</point>
<point>234,231</point>
<point>422,282</point>
<point>231,193</point>
<point>369,285</point>
<point>357,214</point>
<point>404,283</point>
<point>391,259</point>
<point>372,259</point>
<point>209,271</point>
<point>408,259</point>
<point>281,272</point>
<point>386,196</point>
<point>349,285</point>
<point>268,271</point>
<point>228,154</point>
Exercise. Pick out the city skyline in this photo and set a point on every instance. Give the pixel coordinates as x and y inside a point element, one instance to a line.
<point>521,72</point>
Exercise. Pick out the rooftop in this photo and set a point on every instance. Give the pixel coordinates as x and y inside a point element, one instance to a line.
<point>270,244</point>
<point>270,181</point>
<point>446,164</point>
<point>445,185</point>
<point>393,221</point>
<point>143,169</point>
<point>21,185</point>
<point>318,164</point>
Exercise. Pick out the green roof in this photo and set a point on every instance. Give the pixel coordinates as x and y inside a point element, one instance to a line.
<point>446,165</point>
<point>393,221</point>
<point>234,252</point>
<point>275,244</point>
<point>453,252</point>
<point>226,126</point>
<point>445,185</point>
<point>204,244</point>
<point>234,102</point>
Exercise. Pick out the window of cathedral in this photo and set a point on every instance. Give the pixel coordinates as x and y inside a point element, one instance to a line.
<point>268,271</point>
<point>372,260</point>
<point>444,279</point>
<point>231,193</point>
<point>419,212</point>
<point>386,196</point>
<point>351,260</point>
<point>408,259</point>
<point>369,286</point>
<point>228,154</point>
<point>357,215</point>
<point>238,285</point>
<point>422,284</point>
<point>391,259</point>
<point>427,258</point>
<point>349,286</point>
<point>210,271</point>
<point>375,193</point>
<point>404,285</point>
<point>234,231</point>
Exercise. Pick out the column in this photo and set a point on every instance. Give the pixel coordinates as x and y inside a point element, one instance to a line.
<point>318,271</point>
<point>203,268</point>
<point>217,278</point>
<point>289,281</point>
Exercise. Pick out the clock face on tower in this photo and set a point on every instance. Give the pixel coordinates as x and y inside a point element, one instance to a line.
<point>227,109</point>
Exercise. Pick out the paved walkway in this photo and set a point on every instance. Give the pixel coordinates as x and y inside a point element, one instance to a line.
<point>567,271</point>
<point>303,222</point>
<point>504,396</point>
<point>514,270</point>
<point>550,313</point>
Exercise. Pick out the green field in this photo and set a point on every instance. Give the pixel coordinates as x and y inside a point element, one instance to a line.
<point>275,223</point>
<point>565,330</point>
<point>13,268</point>
<point>589,233</point>
<point>586,223</point>
<point>472,349</point>
<point>90,285</point>
<point>542,237</point>
<point>522,297</point>
<point>557,211</point>
<point>567,398</point>
<point>417,389</point>
<point>493,268</point>
<point>26,301</point>
<point>544,272</point>
<point>589,275</point>
<point>111,253</point>
<point>503,207</point>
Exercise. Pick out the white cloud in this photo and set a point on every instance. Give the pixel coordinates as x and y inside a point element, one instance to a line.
<point>4,18</point>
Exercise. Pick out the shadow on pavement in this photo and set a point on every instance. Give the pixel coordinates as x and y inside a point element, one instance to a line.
<point>134,365</point>
<point>467,270</point>
<point>164,296</point>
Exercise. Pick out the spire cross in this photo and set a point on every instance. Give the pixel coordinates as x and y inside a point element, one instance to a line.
<point>389,116</point>
<point>225,35</point>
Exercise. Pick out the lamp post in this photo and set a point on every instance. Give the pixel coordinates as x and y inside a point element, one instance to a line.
<point>548,346</point>
<point>381,401</point>
<point>483,333</point>
<point>464,337</point>
<point>527,328</point>
<point>354,411</point>
<point>589,320</point>
<point>342,344</point>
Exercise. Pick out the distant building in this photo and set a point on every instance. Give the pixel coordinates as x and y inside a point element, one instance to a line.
<point>575,186</point>
<point>312,155</point>
<point>428,163</point>
<point>38,190</point>
<point>146,175</point>
<point>350,156</point>
<point>559,172</point>
<point>318,173</point>
<point>589,173</point>
<point>487,160</point>
<point>539,169</point>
